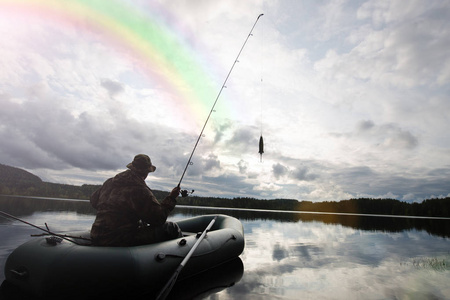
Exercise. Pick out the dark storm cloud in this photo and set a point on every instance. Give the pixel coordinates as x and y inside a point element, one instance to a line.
<point>233,181</point>
<point>279,252</point>
<point>366,182</point>
<point>114,88</point>
<point>307,251</point>
<point>241,139</point>
<point>279,170</point>
<point>228,185</point>
<point>243,166</point>
<point>303,173</point>
<point>389,135</point>
<point>246,141</point>
<point>365,125</point>
<point>243,136</point>
<point>211,162</point>
<point>352,173</point>
<point>297,169</point>
<point>220,131</point>
<point>43,134</point>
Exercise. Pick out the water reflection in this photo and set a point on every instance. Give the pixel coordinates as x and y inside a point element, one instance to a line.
<point>309,260</point>
<point>438,227</point>
<point>295,256</point>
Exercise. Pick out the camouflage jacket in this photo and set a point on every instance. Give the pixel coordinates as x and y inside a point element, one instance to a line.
<point>121,202</point>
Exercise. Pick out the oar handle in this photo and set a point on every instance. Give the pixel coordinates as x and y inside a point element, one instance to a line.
<point>188,256</point>
<point>166,289</point>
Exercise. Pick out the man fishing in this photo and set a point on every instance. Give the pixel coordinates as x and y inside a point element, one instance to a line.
<point>128,213</point>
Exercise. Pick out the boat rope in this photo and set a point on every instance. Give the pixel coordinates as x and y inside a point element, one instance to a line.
<point>217,98</point>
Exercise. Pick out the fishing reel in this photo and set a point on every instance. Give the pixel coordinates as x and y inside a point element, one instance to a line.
<point>185,193</point>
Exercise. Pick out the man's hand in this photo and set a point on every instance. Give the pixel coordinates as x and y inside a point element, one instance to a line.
<point>175,192</point>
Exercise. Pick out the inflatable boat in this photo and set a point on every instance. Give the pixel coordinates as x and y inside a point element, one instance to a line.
<point>51,266</point>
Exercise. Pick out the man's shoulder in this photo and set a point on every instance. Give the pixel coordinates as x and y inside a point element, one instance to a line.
<point>128,178</point>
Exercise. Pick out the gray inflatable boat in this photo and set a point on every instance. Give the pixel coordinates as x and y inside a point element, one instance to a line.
<point>50,266</point>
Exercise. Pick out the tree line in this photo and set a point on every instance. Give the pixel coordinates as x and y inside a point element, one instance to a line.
<point>14,181</point>
<point>428,208</point>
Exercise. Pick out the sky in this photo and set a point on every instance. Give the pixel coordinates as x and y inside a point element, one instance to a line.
<point>351,97</point>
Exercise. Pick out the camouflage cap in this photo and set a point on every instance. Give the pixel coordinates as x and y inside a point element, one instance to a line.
<point>142,162</point>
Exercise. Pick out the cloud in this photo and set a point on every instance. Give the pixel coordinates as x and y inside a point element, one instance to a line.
<point>221,131</point>
<point>279,253</point>
<point>242,139</point>
<point>228,185</point>
<point>382,184</point>
<point>51,136</point>
<point>211,162</point>
<point>302,173</point>
<point>387,136</point>
<point>114,88</point>
<point>279,170</point>
<point>243,166</point>
<point>401,47</point>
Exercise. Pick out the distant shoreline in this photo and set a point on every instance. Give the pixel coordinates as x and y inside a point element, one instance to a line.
<point>316,212</point>
<point>18,182</point>
<point>254,209</point>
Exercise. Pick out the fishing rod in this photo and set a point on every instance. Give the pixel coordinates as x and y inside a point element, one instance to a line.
<point>184,193</point>
<point>62,236</point>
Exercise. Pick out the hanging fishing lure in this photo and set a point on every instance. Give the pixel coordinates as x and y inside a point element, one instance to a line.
<point>261,148</point>
<point>261,140</point>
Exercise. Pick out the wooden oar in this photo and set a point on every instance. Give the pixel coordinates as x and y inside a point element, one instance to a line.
<point>168,287</point>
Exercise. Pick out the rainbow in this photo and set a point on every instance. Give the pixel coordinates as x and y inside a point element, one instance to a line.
<point>165,56</point>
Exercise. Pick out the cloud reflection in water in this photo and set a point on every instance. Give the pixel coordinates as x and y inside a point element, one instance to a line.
<point>327,261</point>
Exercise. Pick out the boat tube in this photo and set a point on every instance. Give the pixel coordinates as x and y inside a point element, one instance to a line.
<point>51,266</point>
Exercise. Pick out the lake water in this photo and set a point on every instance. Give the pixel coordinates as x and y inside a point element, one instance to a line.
<point>288,255</point>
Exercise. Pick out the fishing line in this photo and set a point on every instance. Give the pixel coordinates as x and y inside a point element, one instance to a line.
<point>261,140</point>
<point>184,193</point>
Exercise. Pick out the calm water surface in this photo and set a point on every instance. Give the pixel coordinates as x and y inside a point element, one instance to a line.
<point>290,255</point>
